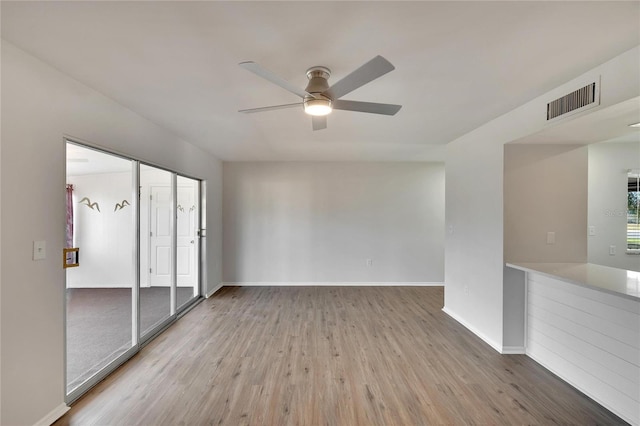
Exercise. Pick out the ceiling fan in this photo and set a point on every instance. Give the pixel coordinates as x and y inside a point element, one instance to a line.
<point>319,99</point>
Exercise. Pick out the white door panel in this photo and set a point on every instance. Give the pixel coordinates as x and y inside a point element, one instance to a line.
<point>160,236</point>
<point>186,235</point>
<point>163,259</point>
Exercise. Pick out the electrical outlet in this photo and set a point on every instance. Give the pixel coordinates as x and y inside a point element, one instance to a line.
<point>450,229</point>
<point>592,231</point>
<point>612,250</point>
<point>369,262</point>
<point>465,289</point>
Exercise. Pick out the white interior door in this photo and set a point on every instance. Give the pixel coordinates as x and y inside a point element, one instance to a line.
<point>160,236</point>
<point>186,213</point>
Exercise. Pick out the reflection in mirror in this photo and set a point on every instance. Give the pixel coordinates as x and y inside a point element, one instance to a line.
<point>99,294</point>
<point>187,243</point>
<point>612,204</point>
<point>633,211</point>
<point>156,248</point>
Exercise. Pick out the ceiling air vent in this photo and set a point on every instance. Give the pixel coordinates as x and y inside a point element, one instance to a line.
<point>583,98</point>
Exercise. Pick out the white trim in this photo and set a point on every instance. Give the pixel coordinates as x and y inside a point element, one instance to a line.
<point>54,415</point>
<point>336,284</point>
<point>214,290</point>
<point>513,350</point>
<point>472,329</point>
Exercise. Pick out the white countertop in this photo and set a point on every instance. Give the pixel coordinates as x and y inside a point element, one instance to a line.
<point>604,278</point>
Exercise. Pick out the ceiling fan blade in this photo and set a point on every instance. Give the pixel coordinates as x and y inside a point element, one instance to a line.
<point>271,108</point>
<point>373,69</point>
<point>319,122</point>
<point>268,75</point>
<point>371,107</point>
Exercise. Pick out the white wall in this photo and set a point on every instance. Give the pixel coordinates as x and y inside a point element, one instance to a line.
<point>608,165</point>
<point>474,258</point>
<point>106,238</point>
<point>473,247</point>
<point>319,222</point>
<point>545,190</point>
<point>1,326</point>
<point>40,106</point>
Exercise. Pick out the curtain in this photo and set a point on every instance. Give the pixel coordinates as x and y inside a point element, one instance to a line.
<point>69,236</point>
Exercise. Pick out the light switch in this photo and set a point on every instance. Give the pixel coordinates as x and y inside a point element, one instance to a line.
<point>612,250</point>
<point>551,237</point>
<point>592,231</point>
<point>39,250</point>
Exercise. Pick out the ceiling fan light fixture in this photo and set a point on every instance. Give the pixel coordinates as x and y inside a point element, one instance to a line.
<point>319,99</point>
<point>317,106</point>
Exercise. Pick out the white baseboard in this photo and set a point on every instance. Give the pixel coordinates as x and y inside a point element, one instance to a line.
<point>472,329</point>
<point>54,415</point>
<point>513,350</point>
<point>334,284</point>
<point>212,291</point>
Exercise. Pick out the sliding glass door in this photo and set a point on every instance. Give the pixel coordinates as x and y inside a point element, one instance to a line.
<point>136,229</point>
<point>99,292</point>
<point>156,248</point>
<point>187,240</point>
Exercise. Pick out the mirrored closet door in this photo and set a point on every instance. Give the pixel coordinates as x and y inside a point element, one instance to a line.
<point>134,232</point>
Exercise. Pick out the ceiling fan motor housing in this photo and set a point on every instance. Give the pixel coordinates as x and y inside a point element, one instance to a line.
<point>317,80</point>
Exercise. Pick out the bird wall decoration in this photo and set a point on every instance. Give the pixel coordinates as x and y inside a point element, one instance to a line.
<point>120,206</point>
<point>87,202</point>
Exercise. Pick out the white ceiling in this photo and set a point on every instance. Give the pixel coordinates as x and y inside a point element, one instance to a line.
<point>458,65</point>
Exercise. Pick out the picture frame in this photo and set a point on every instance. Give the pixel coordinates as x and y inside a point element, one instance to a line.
<point>71,257</point>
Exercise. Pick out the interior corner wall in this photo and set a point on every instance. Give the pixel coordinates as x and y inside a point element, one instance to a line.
<point>40,106</point>
<point>545,190</point>
<point>473,248</point>
<point>608,165</point>
<point>319,222</point>
<point>474,261</point>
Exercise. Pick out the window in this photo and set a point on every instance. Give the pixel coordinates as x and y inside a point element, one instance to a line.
<point>633,212</point>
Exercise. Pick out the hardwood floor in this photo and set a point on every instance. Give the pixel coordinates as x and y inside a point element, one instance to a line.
<point>329,356</point>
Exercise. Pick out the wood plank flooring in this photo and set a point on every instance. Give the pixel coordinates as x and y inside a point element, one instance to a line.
<point>329,356</point>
